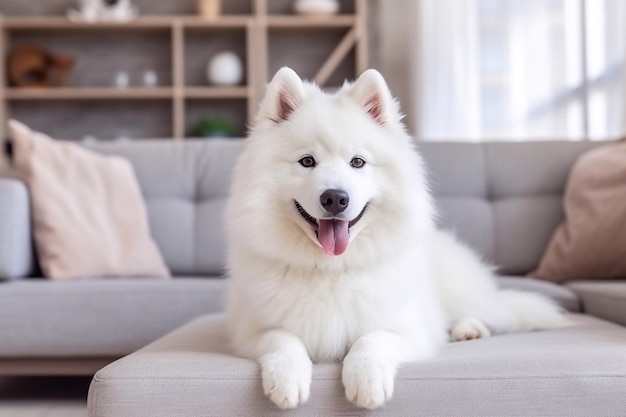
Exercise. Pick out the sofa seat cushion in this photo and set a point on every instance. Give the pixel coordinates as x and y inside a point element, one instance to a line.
<point>98,317</point>
<point>575,371</point>
<point>564,296</point>
<point>604,299</point>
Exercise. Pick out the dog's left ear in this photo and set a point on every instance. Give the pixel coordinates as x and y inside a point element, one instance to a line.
<point>371,92</point>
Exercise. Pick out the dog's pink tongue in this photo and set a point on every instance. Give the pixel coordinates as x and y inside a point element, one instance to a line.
<point>333,235</point>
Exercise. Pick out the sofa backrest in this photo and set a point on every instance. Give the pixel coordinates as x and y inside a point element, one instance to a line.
<point>504,199</point>
<point>185,185</point>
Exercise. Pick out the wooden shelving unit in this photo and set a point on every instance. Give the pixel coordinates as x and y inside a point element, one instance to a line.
<point>180,89</point>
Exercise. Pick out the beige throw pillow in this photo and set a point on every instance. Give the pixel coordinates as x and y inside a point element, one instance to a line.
<point>89,217</point>
<point>591,242</point>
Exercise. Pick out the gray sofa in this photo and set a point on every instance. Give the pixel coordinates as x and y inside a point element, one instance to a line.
<point>502,198</point>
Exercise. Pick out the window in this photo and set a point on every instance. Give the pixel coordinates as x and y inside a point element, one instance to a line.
<point>544,69</point>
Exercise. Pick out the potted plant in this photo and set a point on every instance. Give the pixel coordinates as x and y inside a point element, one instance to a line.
<point>213,127</point>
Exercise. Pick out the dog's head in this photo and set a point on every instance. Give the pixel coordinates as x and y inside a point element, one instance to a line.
<point>322,169</point>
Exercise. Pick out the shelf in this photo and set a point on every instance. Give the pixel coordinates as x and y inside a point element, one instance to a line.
<point>311,22</point>
<point>43,23</point>
<point>131,93</point>
<point>88,93</point>
<point>222,23</point>
<point>217,92</point>
<point>166,22</point>
<point>144,22</point>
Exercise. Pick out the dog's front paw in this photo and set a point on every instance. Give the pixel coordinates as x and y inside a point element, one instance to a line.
<point>286,381</point>
<point>368,383</point>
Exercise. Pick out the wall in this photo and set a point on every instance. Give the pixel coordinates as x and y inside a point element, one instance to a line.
<point>397,34</point>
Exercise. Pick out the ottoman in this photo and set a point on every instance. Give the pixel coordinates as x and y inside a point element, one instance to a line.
<point>576,371</point>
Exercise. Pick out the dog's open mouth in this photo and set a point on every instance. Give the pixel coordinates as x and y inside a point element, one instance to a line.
<point>333,234</point>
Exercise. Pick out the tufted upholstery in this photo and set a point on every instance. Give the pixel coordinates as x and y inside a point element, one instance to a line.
<point>185,185</point>
<point>504,199</point>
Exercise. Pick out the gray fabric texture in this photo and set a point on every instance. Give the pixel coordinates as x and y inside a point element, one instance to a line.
<point>108,317</point>
<point>577,371</point>
<point>502,198</point>
<point>604,299</point>
<point>185,185</point>
<point>564,296</point>
<point>16,253</point>
<point>57,319</point>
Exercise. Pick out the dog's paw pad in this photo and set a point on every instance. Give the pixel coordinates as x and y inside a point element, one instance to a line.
<point>287,384</point>
<point>368,384</point>
<point>469,329</point>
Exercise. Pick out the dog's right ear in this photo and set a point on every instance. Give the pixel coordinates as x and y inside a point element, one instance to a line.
<point>285,93</point>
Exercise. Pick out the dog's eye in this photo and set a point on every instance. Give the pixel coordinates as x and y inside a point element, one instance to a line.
<point>307,161</point>
<point>357,162</point>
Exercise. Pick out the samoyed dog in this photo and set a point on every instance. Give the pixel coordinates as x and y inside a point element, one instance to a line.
<point>333,250</point>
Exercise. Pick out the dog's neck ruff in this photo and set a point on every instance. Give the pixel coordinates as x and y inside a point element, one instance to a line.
<point>332,234</point>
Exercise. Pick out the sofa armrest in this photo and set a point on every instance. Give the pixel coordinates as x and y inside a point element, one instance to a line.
<point>603,299</point>
<point>16,252</point>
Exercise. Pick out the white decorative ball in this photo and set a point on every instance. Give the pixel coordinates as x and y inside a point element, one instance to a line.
<point>316,7</point>
<point>225,68</point>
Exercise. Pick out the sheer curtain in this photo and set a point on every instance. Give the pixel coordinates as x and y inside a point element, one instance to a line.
<point>520,69</point>
<point>448,84</point>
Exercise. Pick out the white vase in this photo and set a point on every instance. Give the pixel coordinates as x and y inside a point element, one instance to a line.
<point>225,68</point>
<point>122,79</point>
<point>316,7</point>
<point>150,78</point>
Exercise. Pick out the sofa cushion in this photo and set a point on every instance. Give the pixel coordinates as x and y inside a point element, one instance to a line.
<point>604,299</point>
<point>89,216</point>
<point>576,371</point>
<point>98,317</point>
<point>590,242</point>
<point>564,296</point>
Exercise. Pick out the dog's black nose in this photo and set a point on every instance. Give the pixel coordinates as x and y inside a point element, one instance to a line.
<point>335,201</point>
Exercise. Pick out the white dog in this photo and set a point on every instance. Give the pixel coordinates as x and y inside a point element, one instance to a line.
<point>334,253</point>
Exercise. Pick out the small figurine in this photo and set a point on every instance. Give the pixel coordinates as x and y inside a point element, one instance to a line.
<point>92,11</point>
<point>30,65</point>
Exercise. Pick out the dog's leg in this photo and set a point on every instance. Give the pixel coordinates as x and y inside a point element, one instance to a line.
<point>286,368</point>
<point>369,368</point>
<point>467,329</point>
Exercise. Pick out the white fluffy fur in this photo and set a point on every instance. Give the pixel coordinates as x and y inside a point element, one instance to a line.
<point>400,291</point>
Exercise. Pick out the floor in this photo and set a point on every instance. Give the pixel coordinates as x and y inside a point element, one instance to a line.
<point>43,397</point>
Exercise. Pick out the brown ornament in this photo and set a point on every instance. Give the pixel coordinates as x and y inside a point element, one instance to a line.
<point>30,65</point>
